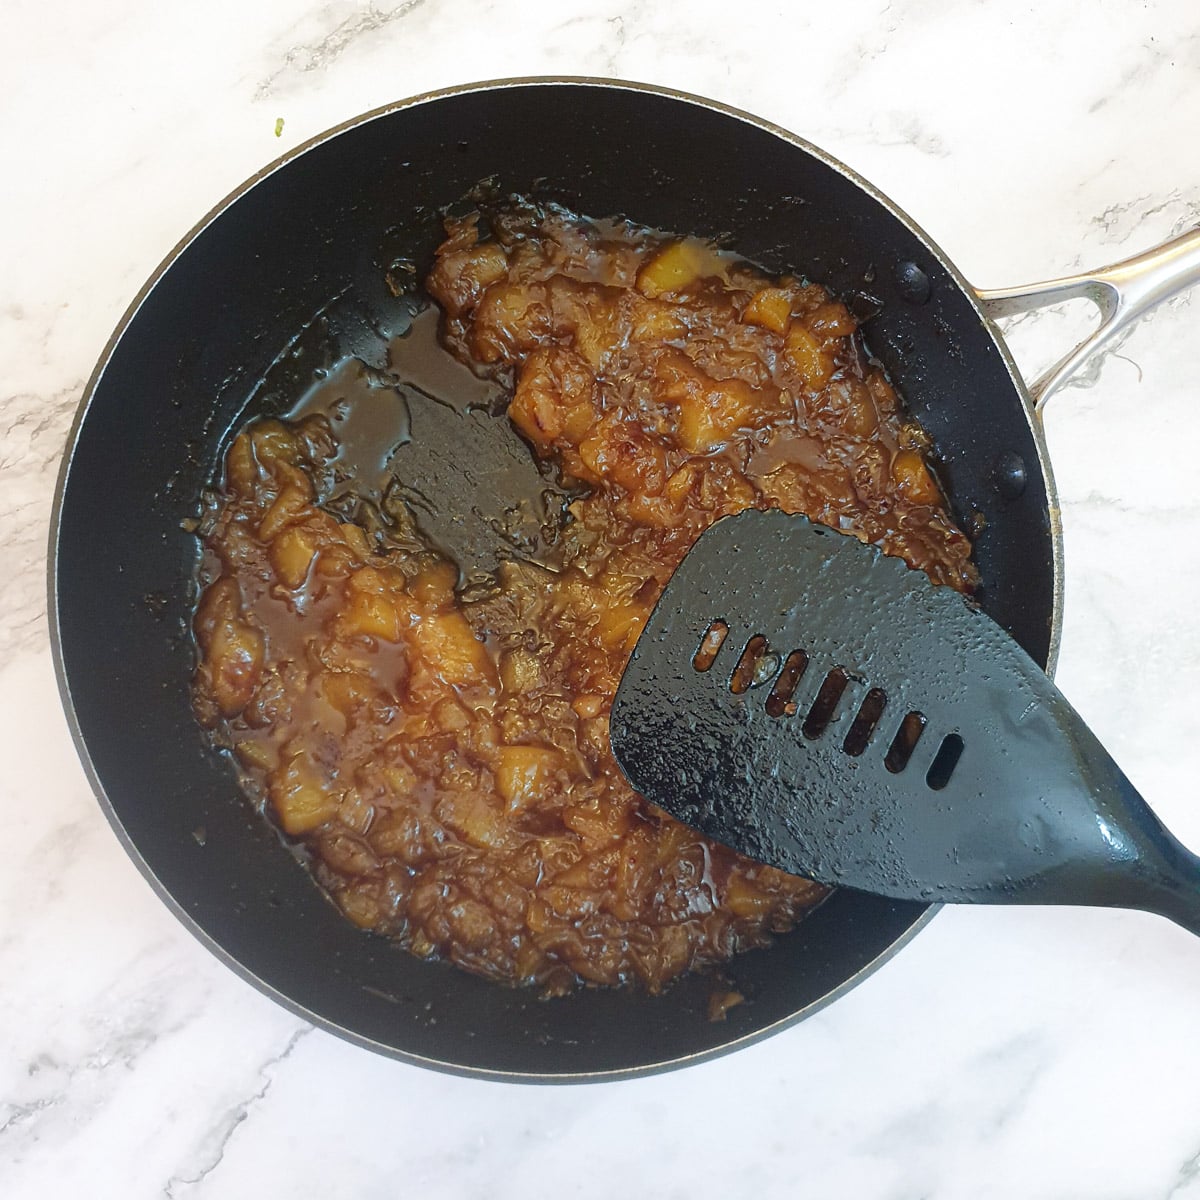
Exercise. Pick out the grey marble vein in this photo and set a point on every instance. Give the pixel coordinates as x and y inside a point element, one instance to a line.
<point>210,1154</point>
<point>83,1085</point>
<point>1188,1174</point>
<point>30,449</point>
<point>316,56</point>
<point>1122,219</point>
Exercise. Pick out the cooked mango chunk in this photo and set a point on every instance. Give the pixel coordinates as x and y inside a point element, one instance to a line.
<point>348,691</point>
<point>374,615</point>
<point>484,264</point>
<point>812,363</point>
<point>241,467</point>
<point>473,816</point>
<point>658,320</point>
<point>675,266</point>
<point>520,670</point>
<point>622,453</point>
<point>522,772</point>
<point>234,650</point>
<point>598,823</point>
<point>708,419</point>
<point>771,309</point>
<point>301,795</point>
<point>710,410</point>
<point>831,320</point>
<point>620,625</point>
<point>913,479</point>
<point>294,500</point>
<point>553,397</point>
<point>255,754</point>
<point>743,899</point>
<point>448,644</point>
<point>292,554</point>
<point>434,584</point>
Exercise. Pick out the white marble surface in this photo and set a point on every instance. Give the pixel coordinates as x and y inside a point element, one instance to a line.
<point>1034,1053</point>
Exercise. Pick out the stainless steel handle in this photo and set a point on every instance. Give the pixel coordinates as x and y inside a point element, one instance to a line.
<point>1123,293</point>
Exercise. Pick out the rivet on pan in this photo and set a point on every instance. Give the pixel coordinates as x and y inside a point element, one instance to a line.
<point>1010,474</point>
<point>913,283</point>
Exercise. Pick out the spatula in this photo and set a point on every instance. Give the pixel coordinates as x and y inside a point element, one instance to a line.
<point>824,708</point>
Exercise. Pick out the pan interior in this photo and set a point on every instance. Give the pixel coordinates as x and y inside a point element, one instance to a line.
<point>328,224</point>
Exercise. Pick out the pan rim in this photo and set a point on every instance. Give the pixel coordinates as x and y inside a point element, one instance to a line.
<point>88,395</point>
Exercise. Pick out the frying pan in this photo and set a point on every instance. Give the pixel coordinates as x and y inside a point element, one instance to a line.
<point>314,235</point>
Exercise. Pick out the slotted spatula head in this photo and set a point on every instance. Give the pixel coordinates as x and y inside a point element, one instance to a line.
<point>821,707</point>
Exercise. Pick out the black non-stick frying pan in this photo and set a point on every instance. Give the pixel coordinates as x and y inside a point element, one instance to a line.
<point>316,234</point>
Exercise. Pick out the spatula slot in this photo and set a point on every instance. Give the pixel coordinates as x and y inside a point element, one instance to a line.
<point>745,673</point>
<point>942,767</point>
<point>825,705</point>
<point>779,702</point>
<point>905,742</point>
<point>712,641</point>
<point>867,718</point>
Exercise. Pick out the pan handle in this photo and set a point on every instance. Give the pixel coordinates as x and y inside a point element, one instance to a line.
<point>1122,292</point>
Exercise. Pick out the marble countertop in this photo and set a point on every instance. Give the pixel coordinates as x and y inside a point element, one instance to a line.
<point>1007,1052</point>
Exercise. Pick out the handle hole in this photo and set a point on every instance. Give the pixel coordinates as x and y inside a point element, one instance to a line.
<point>905,742</point>
<point>779,702</point>
<point>744,674</point>
<point>868,716</point>
<point>942,767</point>
<point>712,641</point>
<point>826,703</point>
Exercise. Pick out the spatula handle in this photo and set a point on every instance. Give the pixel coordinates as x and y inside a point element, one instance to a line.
<point>1131,860</point>
<point>1165,879</point>
<point>1180,901</point>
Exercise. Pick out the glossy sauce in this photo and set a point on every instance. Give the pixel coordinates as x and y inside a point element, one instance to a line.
<point>415,677</point>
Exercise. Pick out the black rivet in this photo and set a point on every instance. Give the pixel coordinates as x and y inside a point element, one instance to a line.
<point>1010,474</point>
<point>913,283</point>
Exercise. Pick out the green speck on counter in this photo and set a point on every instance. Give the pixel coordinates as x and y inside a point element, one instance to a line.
<point>279,127</point>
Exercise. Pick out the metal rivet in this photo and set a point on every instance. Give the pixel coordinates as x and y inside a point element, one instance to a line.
<point>1010,474</point>
<point>913,283</point>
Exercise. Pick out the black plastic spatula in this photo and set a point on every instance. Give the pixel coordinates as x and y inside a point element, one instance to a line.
<point>821,707</point>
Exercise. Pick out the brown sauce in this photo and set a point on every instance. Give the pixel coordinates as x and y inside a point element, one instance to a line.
<point>416,686</point>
